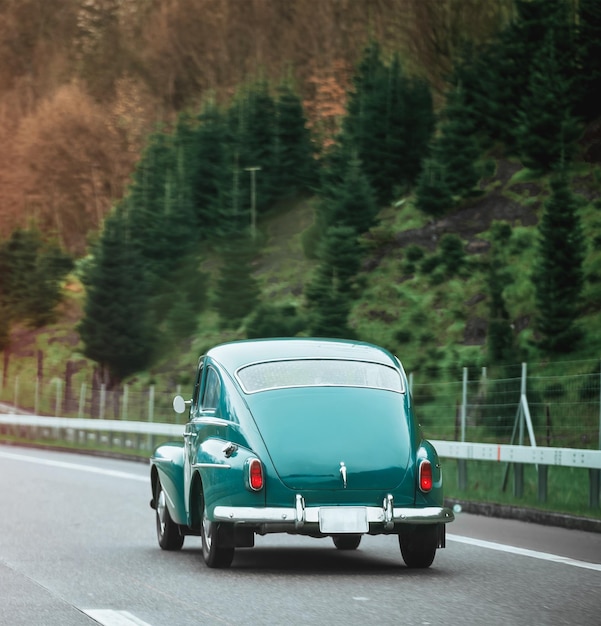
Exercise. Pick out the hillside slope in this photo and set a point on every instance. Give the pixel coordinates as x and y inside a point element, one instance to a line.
<point>429,321</point>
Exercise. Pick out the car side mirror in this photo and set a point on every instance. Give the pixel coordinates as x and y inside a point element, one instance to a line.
<point>179,404</point>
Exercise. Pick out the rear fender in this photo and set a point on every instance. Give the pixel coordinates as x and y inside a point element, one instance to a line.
<point>167,465</point>
<point>223,479</point>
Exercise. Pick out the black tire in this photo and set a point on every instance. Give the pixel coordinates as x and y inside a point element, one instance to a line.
<point>418,545</point>
<point>347,542</point>
<point>214,553</point>
<point>168,534</point>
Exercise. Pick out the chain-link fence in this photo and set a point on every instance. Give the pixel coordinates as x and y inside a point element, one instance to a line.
<point>558,405</point>
<point>81,396</point>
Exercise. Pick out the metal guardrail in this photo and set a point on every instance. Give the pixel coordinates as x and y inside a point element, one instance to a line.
<point>542,457</point>
<point>536,455</point>
<point>101,425</point>
<point>521,455</point>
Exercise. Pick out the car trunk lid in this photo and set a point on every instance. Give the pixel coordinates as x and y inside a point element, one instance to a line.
<point>333,439</point>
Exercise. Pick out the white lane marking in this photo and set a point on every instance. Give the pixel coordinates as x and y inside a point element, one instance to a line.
<point>544,556</point>
<point>108,617</point>
<point>72,466</point>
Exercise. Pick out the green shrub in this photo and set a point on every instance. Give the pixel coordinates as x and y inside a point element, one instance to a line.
<point>402,336</point>
<point>429,264</point>
<point>414,253</point>
<point>554,391</point>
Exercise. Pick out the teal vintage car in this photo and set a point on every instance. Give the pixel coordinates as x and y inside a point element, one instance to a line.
<point>304,436</point>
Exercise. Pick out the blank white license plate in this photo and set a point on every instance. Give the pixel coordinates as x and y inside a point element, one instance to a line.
<point>343,519</point>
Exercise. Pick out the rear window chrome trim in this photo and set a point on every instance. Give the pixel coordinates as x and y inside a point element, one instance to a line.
<point>401,390</point>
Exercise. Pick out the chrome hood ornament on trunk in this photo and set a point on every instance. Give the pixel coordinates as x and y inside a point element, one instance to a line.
<point>343,473</point>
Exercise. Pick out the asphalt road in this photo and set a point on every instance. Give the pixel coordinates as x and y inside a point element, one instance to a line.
<point>78,547</point>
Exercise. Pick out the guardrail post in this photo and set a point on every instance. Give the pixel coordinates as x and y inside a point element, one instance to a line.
<point>542,483</point>
<point>594,486</point>
<point>518,480</point>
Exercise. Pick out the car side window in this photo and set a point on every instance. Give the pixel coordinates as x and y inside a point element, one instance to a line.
<point>197,387</point>
<point>212,390</point>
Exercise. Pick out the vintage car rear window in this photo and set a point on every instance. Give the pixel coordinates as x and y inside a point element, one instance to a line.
<point>318,373</point>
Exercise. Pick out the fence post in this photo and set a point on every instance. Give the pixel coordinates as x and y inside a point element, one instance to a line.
<point>151,413</point>
<point>518,468</point>
<point>124,403</point>
<point>102,401</point>
<point>81,435</point>
<point>57,400</point>
<point>462,463</point>
<point>82,400</point>
<point>36,398</point>
<point>16,397</point>
<point>595,474</point>
<point>521,412</point>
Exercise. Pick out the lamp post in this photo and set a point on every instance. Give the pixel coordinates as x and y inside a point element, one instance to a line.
<point>253,199</point>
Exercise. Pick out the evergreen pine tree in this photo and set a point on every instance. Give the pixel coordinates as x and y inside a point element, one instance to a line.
<point>365,126</point>
<point>589,56</point>
<point>18,260</point>
<point>295,167</point>
<point>329,294</point>
<point>237,291</point>
<point>251,122</point>
<point>52,265</point>
<point>351,202</point>
<point>31,272</point>
<point>547,131</point>
<point>416,121</point>
<point>496,75</point>
<point>115,329</point>
<point>486,74</point>
<point>457,147</point>
<point>432,195</point>
<point>210,183</point>
<point>329,307</point>
<point>389,122</point>
<point>150,194</point>
<point>272,320</point>
<point>558,275</point>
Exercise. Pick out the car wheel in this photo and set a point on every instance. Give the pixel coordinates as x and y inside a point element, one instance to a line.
<point>168,533</point>
<point>347,542</point>
<point>213,552</point>
<point>418,545</point>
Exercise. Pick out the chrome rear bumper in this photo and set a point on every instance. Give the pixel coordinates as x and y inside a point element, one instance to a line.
<point>388,515</point>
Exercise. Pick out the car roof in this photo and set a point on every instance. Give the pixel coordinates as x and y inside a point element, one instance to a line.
<point>235,354</point>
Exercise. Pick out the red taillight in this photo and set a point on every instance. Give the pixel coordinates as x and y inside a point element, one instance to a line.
<point>255,474</point>
<point>425,476</point>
